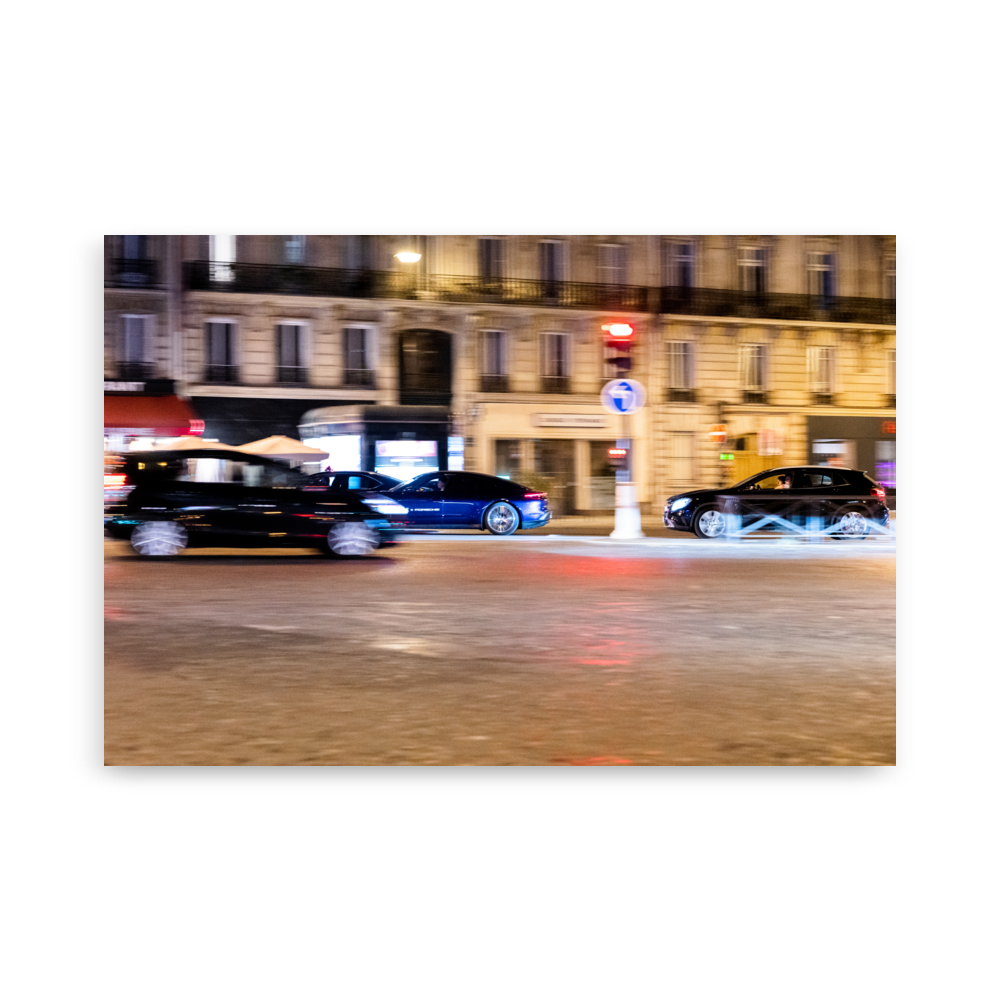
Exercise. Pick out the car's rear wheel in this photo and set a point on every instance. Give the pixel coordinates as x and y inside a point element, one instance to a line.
<point>502,519</point>
<point>159,538</point>
<point>351,538</point>
<point>709,522</point>
<point>852,523</point>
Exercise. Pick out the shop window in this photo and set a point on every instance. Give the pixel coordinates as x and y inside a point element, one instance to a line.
<point>295,250</point>
<point>680,457</point>
<point>508,461</point>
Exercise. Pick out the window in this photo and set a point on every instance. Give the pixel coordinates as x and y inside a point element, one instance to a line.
<point>290,352</point>
<point>890,277</point>
<point>753,367</point>
<point>220,351</point>
<point>359,253</point>
<point>680,365</point>
<point>555,355</point>
<point>136,345</point>
<point>680,453</point>
<point>611,264</point>
<point>494,361</point>
<point>752,266</point>
<point>820,269</point>
<point>295,249</point>
<point>822,370</point>
<point>221,254</point>
<point>135,247</point>
<point>490,259</point>
<point>552,261</point>
<point>359,356</point>
<point>678,265</point>
<point>890,373</point>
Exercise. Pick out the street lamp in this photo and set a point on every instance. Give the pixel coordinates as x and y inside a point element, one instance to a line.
<point>410,257</point>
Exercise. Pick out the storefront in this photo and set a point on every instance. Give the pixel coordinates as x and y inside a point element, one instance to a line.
<point>561,449</point>
<point>866,443</point>
<point>399,441</point>
<point>138,413</point>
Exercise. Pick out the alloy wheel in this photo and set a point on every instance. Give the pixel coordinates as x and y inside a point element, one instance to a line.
<point>159,538</point>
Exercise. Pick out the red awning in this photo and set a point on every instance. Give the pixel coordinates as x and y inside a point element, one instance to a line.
<point>162,416</point>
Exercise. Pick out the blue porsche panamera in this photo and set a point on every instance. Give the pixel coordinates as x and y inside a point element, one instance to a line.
<point>468,500</point>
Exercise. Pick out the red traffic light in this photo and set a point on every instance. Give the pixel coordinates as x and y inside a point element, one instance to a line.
<point>618,458</point>
<point>618,331</point>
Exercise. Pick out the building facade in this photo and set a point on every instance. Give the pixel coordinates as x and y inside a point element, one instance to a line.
<point>786,342</point>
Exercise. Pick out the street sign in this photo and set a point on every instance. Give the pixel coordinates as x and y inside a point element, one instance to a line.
<point>623,395</point>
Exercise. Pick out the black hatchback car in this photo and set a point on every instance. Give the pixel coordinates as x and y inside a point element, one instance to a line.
<point>846,499</point>
<point>209,497</point>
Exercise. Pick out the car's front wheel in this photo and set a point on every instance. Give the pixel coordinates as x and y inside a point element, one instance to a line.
<point>502,519</point>
<point>351,538</point>
<point>709,522</point>
<point>159,538</point>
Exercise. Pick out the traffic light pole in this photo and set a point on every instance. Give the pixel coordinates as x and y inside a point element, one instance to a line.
<point>628,521</point>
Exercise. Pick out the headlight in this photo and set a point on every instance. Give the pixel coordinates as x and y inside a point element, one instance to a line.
<point>678,504</point>
<point>386,506</point>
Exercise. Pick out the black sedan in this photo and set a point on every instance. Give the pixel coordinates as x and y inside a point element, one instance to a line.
<point>225,498</point>
<point>845,499</point>
<point>467,500</point>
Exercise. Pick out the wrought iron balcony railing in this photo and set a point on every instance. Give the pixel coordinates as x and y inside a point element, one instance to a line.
<point>128,273</point>
<point>294,279</point>
<point>556,383</point>
<point>493,383</point>
<point>292,374</point>
<point>222,374</point>
<point>136,371</point>
<point>284,279</point>
<point>682,395</point>
<point>776,305</point>
<point>754,395</point>
<point>363,377</point>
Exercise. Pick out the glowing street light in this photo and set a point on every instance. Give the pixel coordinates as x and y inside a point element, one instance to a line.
<point>407,257</point>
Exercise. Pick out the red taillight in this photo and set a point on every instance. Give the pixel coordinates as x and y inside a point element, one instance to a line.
<point>114,482</point>
<point>875,491</point>
<point>535,496</point>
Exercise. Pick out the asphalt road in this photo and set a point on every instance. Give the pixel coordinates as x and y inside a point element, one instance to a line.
<point>472,650</point>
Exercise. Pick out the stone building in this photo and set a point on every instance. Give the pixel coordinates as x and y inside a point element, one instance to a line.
<point>788,342</point>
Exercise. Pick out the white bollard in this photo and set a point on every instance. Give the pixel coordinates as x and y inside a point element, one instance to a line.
<point>628,522</point>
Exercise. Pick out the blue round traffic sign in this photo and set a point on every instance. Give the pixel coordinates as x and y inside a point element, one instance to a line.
<point>623,395</point>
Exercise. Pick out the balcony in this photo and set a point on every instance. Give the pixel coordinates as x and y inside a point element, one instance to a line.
<point>222,374</point>
<point>362,377</point>
<point>127,273</point>
<point>681,396</point>
<point>556,383</point>
<point>776,305</point>
<point>292,375</point>
<point>280,279</point>
<point>493,383</point>
<point>890,400</point>
<point>823,399</point>
<point>136,371</point>
<point>754,396</point>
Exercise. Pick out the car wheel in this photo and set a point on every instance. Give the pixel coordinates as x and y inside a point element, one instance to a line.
<point>351,538</point>
<point>851,523</point>
<point>709,522</point>
<point>159,538</point>
<point>502,519</point>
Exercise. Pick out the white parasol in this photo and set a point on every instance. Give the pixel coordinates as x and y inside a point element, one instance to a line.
<point>279,446</point>
<point>191,443</point>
